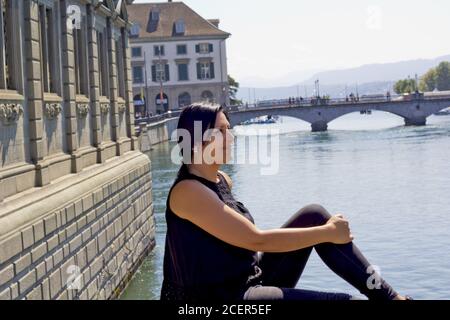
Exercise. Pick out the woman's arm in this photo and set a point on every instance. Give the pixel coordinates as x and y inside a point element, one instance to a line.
<point>193,201</point>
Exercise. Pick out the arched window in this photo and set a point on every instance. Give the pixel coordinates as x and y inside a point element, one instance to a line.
<point>207,96</point>
<point>184,100</point>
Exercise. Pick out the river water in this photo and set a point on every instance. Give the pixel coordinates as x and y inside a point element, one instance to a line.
<point>390,181</point>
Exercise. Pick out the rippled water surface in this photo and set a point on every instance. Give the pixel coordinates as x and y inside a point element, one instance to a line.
<point>392,182</point>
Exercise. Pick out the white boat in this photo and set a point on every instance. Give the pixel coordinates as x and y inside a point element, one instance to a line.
<point>443,113</point>
<point>263,120</point>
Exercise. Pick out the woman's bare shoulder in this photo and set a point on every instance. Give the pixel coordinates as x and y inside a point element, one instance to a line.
<point>188,189</point>
<point>190,194</point>
<point>227,178</point>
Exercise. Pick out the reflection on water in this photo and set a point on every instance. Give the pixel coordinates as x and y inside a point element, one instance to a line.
<point>392,182</point>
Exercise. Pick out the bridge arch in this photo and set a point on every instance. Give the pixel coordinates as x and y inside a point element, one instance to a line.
<point>398,113</point>
<point>413,112</point>
<point>242,117</point>
<point>366,120</point>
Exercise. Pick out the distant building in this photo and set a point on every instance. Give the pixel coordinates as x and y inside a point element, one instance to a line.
<point>178,53</point>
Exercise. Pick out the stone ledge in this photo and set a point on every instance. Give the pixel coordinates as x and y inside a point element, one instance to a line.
<point>139,222</point>
<point>60,193</point>
<point>11,95</point>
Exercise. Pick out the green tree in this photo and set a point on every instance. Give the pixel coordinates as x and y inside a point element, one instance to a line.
<point>443,76</point>
<point>233,86</point>
<point>405,86</point>
<point>428,81</point>
<point>436,78</point>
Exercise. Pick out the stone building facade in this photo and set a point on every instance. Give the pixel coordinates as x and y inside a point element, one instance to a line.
<point>178,53</point>
<point>76,214</point>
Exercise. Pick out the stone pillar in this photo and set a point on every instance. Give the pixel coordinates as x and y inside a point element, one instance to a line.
<point>34,91</point>
<point>131,133</point>
<point>416,121</point>
<point>319,126</point>
<point>114,94</point>
<point>94,84</point>
<point>68,70</point>
<point>416,117</point>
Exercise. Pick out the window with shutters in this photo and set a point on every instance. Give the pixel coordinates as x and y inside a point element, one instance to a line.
<point>183,72</point>
<point>205,70</point>
<point>47,49</point>
<point>160,72</point>
<point>181,49</point>
<point>136,52</point>
<point>204,48</point>
<point>7,76</point>
<point>158,50</point>
<point>102,63</point>
<point>138,74</point>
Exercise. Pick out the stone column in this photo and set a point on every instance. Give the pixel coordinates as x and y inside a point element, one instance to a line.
<point>319,126</point>
<point>113,95</point>
<point>68,70</point>
<point>417,121</point>
<point>34,92</point>
<point>94,84</point>
<point>416,116</point>
<point>131,133</point>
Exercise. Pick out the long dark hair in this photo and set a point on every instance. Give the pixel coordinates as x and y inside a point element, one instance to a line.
<point>205,113</point>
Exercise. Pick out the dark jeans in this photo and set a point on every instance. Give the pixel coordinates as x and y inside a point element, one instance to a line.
<point>281,271</point>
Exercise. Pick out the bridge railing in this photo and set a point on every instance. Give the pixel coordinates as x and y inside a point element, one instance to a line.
<point>158,118</point>
<point>310,102</point>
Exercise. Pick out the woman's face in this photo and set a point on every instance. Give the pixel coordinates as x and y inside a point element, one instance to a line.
<point>218,150</point>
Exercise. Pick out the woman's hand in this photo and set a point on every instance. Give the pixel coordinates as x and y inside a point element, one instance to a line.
<point>338,230</point>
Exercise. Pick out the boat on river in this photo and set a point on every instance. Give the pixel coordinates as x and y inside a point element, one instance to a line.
<point>262,120</point>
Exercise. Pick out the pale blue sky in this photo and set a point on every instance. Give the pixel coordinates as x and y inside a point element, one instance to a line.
<point>273,38</point>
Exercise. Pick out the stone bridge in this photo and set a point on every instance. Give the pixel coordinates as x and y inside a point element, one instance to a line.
<point>414,112</point>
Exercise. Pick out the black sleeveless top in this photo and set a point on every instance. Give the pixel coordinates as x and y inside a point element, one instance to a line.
<point>199,266</point>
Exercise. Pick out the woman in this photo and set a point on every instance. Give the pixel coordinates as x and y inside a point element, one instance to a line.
<point>213,249</point>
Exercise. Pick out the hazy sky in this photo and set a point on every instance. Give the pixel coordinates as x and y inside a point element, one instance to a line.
<point>273,38</point>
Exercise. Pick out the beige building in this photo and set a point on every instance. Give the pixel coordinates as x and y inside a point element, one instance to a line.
<point>76,213</point>
<point>176,53</point>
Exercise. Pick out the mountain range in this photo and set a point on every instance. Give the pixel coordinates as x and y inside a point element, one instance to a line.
<point>366,79</point>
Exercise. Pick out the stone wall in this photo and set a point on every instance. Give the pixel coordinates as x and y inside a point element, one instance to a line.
<point>76,213</point>
<point>156,133</point>
<point>80,238</point>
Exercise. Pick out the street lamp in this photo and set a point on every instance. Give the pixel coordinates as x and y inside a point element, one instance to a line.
<point>317,87</point>
<point>161,94</point>
<point>146,86</point>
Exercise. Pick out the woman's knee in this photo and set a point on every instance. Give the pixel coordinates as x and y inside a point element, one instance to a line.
<point>311,215</point>
<point>318,210</point>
